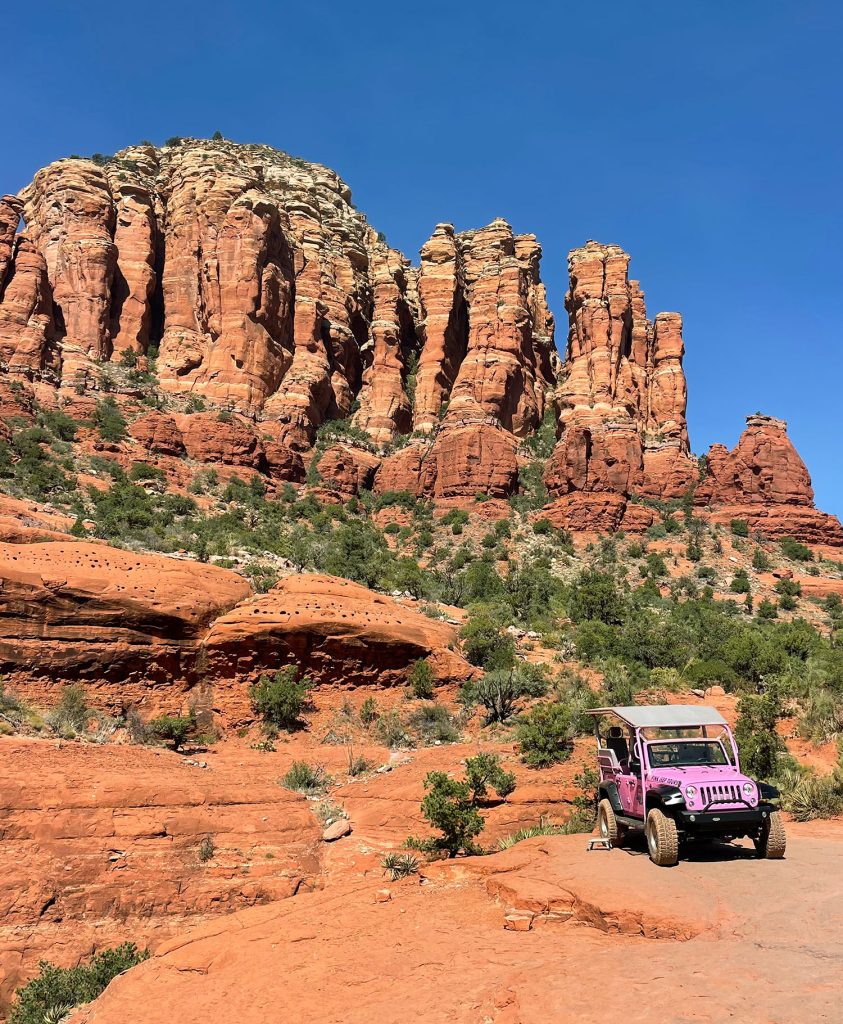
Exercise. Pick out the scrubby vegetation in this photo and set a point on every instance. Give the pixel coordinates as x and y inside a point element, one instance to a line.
<point>55,991</point>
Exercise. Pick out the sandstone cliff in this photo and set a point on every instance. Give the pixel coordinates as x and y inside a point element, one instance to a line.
<point>245,281</point>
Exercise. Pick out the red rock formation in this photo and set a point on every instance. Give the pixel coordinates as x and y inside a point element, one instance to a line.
<point>158,433</point>
<point>384,406</point>
<point>337,631</point>
<point>10,213</point>
<point>69,215</point>
<point>102,846</point>
<point>623,393</point>
<point>26,317</point>
<point>71,611</point>
<point>443,329</point>
<point>764,481</point>
<point>346,469</point>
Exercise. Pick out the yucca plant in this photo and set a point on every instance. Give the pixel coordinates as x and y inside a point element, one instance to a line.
<point>399,865</point>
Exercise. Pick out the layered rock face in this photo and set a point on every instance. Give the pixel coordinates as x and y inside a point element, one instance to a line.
<point>622,393</point>
<point>765,482</point>
<point>260,294</point>
<point>173,632</point>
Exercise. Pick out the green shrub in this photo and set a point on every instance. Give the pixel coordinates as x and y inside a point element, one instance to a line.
<point>59,424</point>
<point>788,588</point>
<point>421,679</point>
<point>807,796</point>
<point>484,642</point>
<point>545,734</point>
<point>391,732</point>
<point>760,561</point>
<point>767,610</point>
<point>797,552</point>
<point>484,771</point>
<point>71,714</point>
<point>55,991</point>
<point>368,711</point>
<point>109,420</point>
<point>173,729</point>
<point>399,865</point>
<point>595,596</point>
<point>759,744</point>
<point>450,808</point>
<point>501,690</point>
<point>740,582</point>
<point>304,778</point>
<point>144,471</point>
<point>280,698</point>
<point>740,528</point>
<point>433,723</point>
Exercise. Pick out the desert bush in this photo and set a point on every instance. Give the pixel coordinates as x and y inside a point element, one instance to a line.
<point>368,711</point>
<point>807,796</point>
<point>545,734</point>
<point>280,698</point>
<point>767,610</point>
<point>391,732</point>
<point>71,714</point>
<point>55,991</point>
<point>595,597</point>
<point>740,582</point>
<point>109,420</point>
<point>544,828</point>
<point>797,552</point>
<point>206,849</point>
<point>501,690</point>
<point>484,771</point>
<point>173,729</point>
<point>755,732</point>
<point>421,679</point>
<point>740,528</point>
<point>449,807</point>
<point>484,642</point>
<point>760,561</point>
<point>433,723</point>
<point>304,778</point>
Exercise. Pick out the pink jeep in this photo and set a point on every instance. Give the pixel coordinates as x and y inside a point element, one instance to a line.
<point>673,772</point>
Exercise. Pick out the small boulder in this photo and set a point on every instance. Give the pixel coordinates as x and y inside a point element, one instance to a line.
<point>337,830</point>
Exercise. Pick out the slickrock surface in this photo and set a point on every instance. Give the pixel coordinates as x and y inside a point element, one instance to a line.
<point>568,933</point>
<point>101,845</point>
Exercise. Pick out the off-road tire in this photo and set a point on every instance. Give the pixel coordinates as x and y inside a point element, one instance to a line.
<point>662,839</point>
<point>607,823</point>
<point>772,841</point>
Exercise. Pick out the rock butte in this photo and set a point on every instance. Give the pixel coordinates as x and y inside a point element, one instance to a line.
<point>269,297</point>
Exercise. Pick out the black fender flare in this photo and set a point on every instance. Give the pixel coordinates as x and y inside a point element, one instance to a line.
<point>666,798</point>
<point>609,791</point>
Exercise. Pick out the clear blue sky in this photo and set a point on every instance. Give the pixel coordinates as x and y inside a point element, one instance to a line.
<point>703,137</point>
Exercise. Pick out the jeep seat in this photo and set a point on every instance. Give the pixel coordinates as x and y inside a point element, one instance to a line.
<point>616,742</point>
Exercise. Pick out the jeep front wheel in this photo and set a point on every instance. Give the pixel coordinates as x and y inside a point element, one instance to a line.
<point>662,839</point>
<point>772,840</point>
<point>607,823</point>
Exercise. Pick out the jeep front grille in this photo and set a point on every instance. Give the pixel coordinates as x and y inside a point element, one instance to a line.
<point>721,793</point>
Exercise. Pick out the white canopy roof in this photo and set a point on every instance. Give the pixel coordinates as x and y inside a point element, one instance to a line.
<point>664,715</point>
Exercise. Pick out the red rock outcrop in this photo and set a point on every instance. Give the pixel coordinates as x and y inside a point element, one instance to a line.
<point>765,482</point>
<point>101,845</point>
<point>346,469</point>
<point>82,611</point>
<point>623,392</point>
<point>174,632</point>
<point>338,632</point>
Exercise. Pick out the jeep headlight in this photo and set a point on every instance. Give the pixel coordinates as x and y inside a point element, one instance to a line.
<point>748,788</point>
<point>690,791</point>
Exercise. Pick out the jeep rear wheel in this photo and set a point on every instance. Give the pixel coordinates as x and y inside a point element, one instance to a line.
<point>772,840</point>
<point>662,839</point>
<point>607,823</point>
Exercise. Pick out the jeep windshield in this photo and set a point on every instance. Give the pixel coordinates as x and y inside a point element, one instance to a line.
<point>684,753</point>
